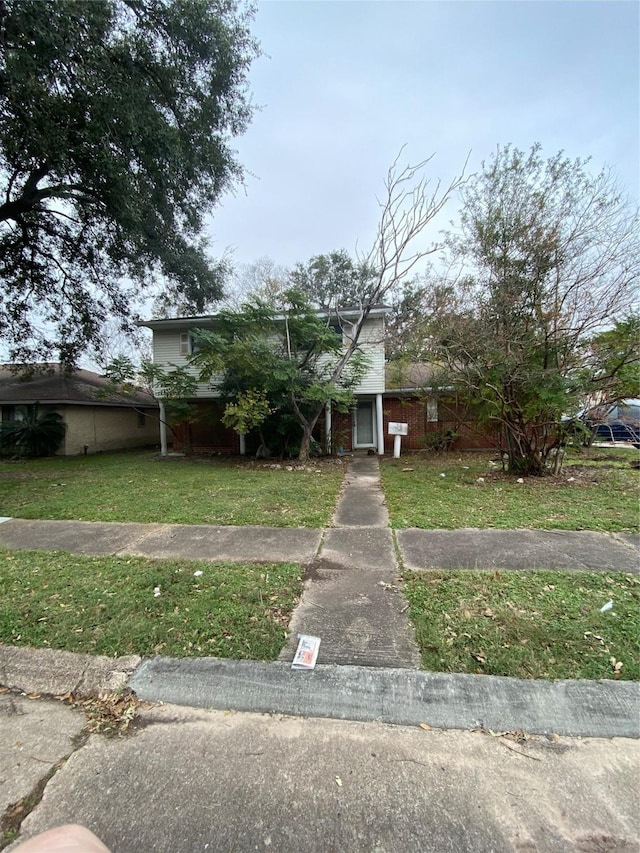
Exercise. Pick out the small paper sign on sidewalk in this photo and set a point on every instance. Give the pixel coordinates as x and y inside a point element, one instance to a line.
<point>307,652</point>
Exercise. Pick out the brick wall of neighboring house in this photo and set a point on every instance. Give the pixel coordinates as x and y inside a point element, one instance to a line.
<point>107,428</point>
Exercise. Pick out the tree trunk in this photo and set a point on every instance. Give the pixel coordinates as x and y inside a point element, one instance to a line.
<point>307,425</point>
<point>523,453</point>
<point>305,444</point>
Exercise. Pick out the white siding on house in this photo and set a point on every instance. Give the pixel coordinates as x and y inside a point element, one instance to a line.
<point>167,353</point>
<point>373,380</point>
<point>372,343</point>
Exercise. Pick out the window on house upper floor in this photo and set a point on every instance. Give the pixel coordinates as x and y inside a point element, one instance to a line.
<point>336,329</point>
<point>187,344</point>
<point>343,329</point>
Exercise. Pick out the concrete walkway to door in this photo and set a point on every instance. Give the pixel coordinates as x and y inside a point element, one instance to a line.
<point>351,599</point>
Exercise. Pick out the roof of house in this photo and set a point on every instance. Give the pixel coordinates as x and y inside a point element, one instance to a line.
<point>401,376</point>
<point>349,313</point>
<point>51,383</point>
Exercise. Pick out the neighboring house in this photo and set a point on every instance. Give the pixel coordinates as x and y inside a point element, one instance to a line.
<point>97,418</point>
<point>385,394</point>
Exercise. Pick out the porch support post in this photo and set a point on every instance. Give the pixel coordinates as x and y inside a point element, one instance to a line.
<point>379,424</point>
<point>327,427</point>
<point>243,444</point>
<point>163,430</point>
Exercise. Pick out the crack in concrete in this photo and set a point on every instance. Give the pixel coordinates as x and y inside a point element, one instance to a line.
<point>134,543</point>
<point>16,813</point>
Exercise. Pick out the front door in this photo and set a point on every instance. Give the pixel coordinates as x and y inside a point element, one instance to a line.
<point>364,432</point>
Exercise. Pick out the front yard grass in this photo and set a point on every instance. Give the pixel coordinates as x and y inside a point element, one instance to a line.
<point>527,624</point>
<point>140,487</point>
<point>597,490</point>
<point>107,605</point>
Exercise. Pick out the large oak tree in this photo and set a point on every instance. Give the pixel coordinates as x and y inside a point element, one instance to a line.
<point>116,118</point>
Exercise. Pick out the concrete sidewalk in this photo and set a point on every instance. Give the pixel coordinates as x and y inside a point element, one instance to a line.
<point>456,772</point>
<point>419,549</point>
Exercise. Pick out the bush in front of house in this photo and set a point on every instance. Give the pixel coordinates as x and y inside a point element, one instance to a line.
<point>37,434</point>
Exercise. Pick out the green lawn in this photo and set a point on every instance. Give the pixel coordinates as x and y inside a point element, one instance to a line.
<point>527,624</point>
<point>598,490</point>
<point>107,605</point>
<point>141,487</point>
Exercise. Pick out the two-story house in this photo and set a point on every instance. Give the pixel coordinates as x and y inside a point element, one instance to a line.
<point>387,393</point>
<point>173,344</point>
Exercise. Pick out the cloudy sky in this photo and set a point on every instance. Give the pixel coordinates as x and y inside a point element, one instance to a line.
<point>344,85</point>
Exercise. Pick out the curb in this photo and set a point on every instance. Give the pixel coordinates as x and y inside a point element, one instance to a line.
<point>54,673</point>
<point>396,696</point>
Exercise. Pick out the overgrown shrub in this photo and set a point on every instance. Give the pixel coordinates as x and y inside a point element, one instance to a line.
<point>37,434</point>
<point>439,440</point>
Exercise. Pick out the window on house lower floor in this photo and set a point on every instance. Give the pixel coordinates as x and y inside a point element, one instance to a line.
<point>13,413</point>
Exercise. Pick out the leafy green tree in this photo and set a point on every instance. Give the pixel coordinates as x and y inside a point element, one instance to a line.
<point>287,363</point>
<point>333,280</point>
<point>614,371</point>
<point>36,434</point>
<point>249,411</point>
<point>549,258</point>
<point>175,388</point>
<point>115,125</point>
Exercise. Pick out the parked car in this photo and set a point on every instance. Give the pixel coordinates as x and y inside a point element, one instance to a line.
<point>620,422</point>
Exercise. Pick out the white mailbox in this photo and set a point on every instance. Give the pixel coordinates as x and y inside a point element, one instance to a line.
<point>398,429</point>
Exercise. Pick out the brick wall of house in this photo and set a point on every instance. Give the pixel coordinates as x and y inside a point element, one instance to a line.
<point>408,411</point>
<point>207,435</point>
<point>414,413</point>
<point>341,432</point>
